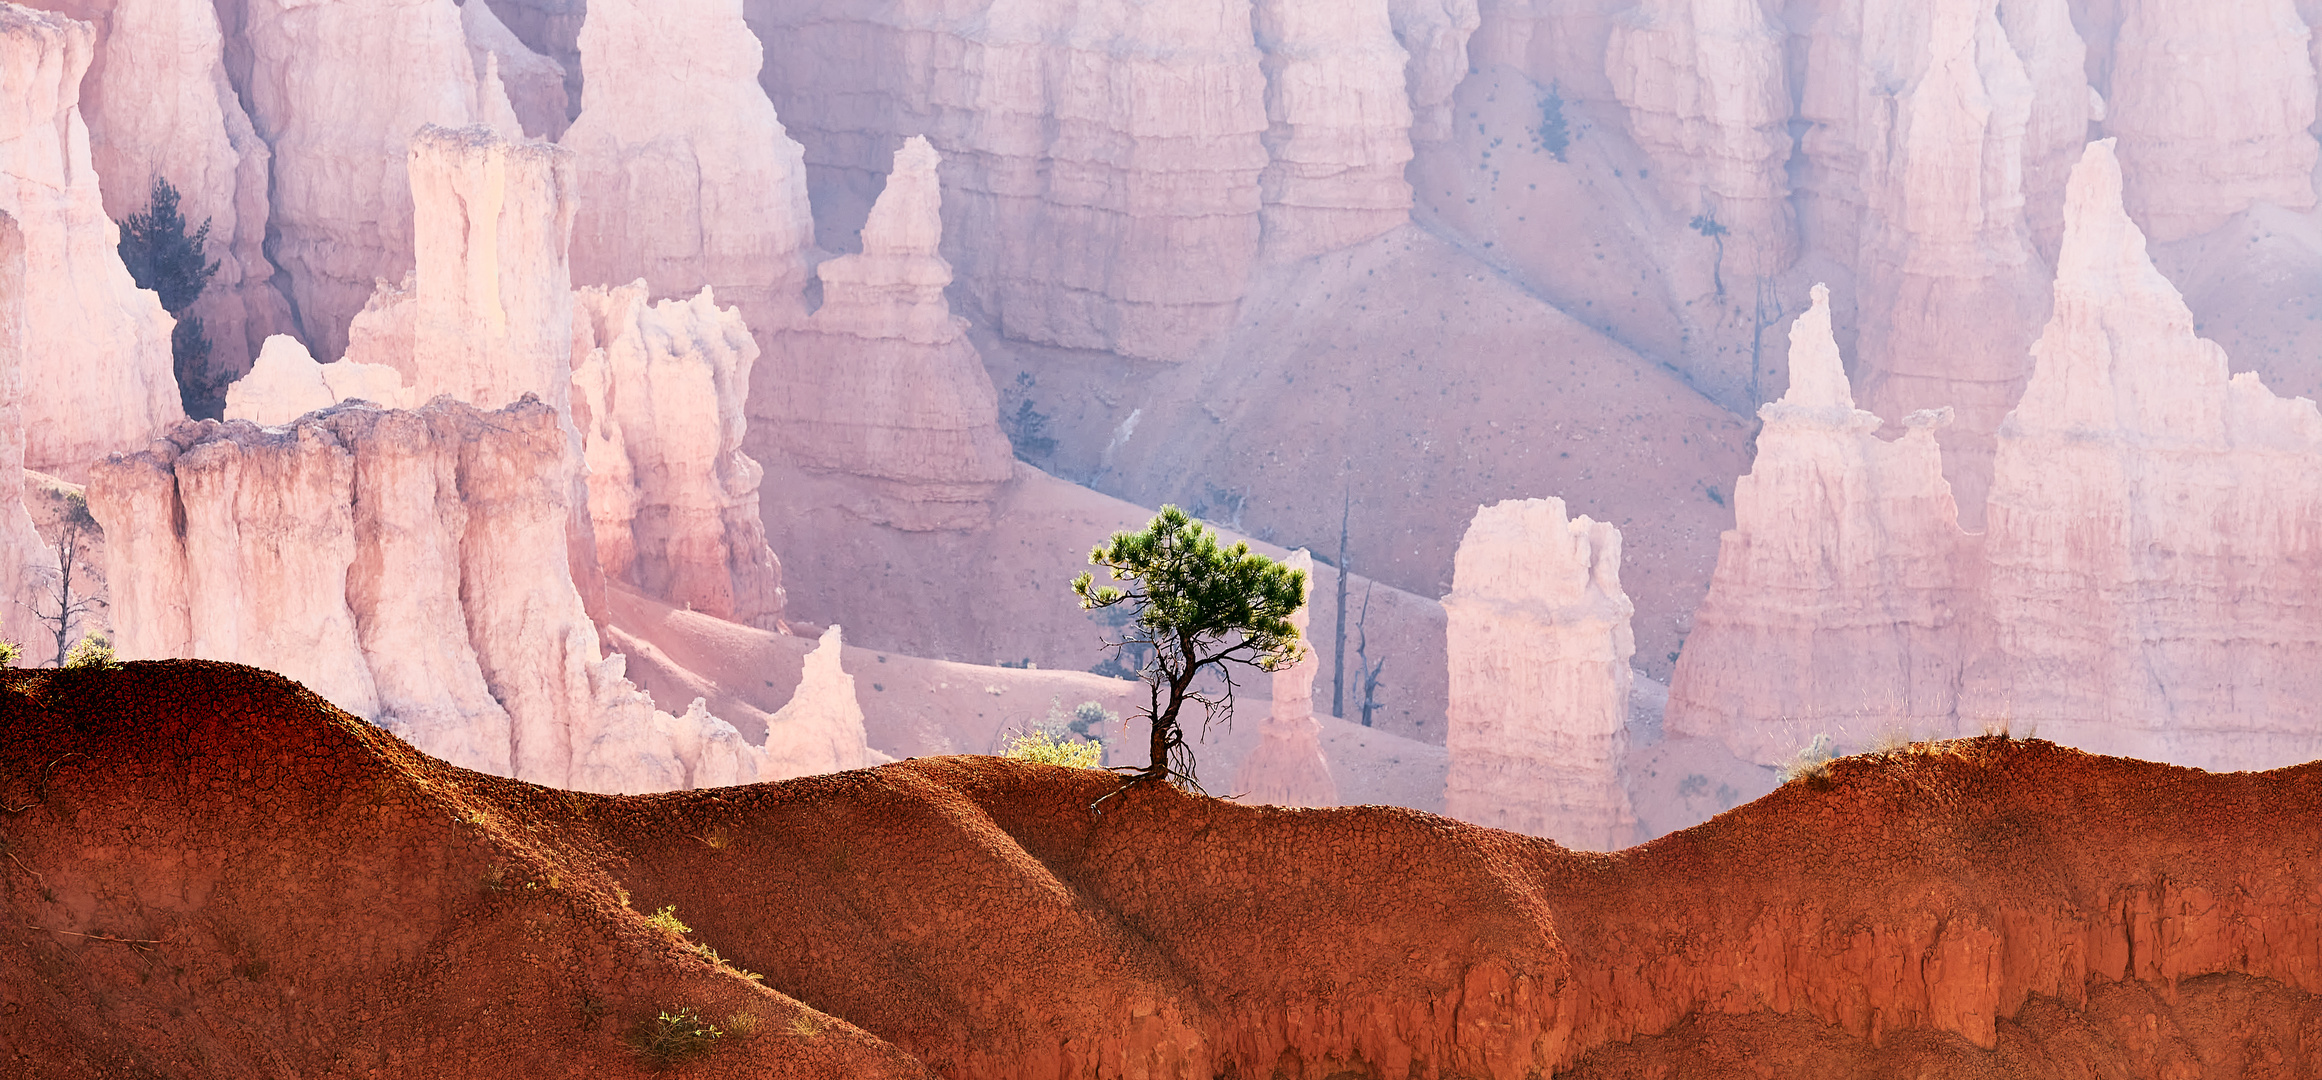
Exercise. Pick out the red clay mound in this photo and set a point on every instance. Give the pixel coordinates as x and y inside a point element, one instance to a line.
<point>230,878</point>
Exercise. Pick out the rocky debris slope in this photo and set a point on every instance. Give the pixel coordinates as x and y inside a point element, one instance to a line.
<point>1975,908</point>
<point>658,399</point>
<point>686,177</point>
<point>1838,606</point>
<point>159,106</point>
<point>392,561</point>
<point>2151,546</point>
<point>1288,768</point>
<point>92,349</point>
<point>882,385</point>
<point>1540,645</point>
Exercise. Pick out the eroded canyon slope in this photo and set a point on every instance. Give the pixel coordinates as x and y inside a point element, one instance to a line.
<point>212,872</point>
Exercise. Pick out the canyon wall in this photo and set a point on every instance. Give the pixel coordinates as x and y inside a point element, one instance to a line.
<point>533,85</point>
<point>1708,98</point>
<point>92,348</point>
<point>1540,646</point>
<point>658,401</point>
<point>882,385</point>
<point>1915,178</point>
<point>1114,171</point>
<point>26,563</point>
<point>1839,603</point>
<point>391,561</point>
<point>2151,546</point>
<point>159,106</point>
<point>1288,767</point>
<point>686,177</point>
<point>2155,549</point>
<point>337,90</point>
<point>2191,160</point>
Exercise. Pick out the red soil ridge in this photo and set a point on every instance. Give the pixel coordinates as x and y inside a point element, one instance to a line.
<point>210,872</point>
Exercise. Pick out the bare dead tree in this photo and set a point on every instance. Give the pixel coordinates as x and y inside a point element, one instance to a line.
<point>70,608</point>
<point>1363,665</point>
<point>1769,312</point>
<point>1338,653</point>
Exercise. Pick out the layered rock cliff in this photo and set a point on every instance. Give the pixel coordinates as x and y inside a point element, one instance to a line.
<point>1916,178</point>
<point>533,85</point>
<point>1843,590</point>
<point>2191,160</point>
<point>1288,767</point>
<point>92,348</point>
<point>2156,526</point>
<point>1338,126</point>
<point>1540,644</point>
<point>686,177</point>
<point>1708,98</point>
<point>1115,168</point>
<point>391,561</point>
<point>882,385</point>
<point>159,106</point>
<point>2137,591</point>
<point>336,90</point>
<point>658,400</point>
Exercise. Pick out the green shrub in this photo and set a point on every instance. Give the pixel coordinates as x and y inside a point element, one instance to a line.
<point>666,919</point>
<point>1045,748</point>
<point>92,651</point>
<point>10,653</point>
<point>676,1036</point>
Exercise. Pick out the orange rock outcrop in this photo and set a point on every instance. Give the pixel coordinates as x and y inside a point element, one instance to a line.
<point>1987,907</point>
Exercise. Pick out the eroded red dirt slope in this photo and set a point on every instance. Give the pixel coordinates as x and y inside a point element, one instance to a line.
<point>210,872</point>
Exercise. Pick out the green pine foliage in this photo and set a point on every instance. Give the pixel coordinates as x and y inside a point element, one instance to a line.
<point>161,255</point>
<point>1199,610</point>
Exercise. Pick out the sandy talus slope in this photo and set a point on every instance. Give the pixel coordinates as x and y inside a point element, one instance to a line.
<point>212,873</point>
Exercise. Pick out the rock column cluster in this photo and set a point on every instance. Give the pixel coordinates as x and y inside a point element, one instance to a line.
<point>92,348</point>
<point>929,454</point>
<point>2144,586</point>
<point>1540,646</point>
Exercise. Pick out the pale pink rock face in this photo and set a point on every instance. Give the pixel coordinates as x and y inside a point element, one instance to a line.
<point>2213,106</point>
<point>158,104</point>
<point>1288,767</point>
<point>821,730</point>
<point>532,85</point>
<point>1709,99</point>
<point>1338,126</point>
<point>687,179</point>
<point>1917,180</point>
<point>1540,645</point>
<point>391,561</point>
<point>1103,160</point>
<point>931,454</point>
<point>658,400</point>
<point>93,348</point>
<point>1434,34</point>
<point>2156,526</point>
<point>492,317</point>
<point>337,89</point>
<point>1841,593</point>
<point>25,562</point>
